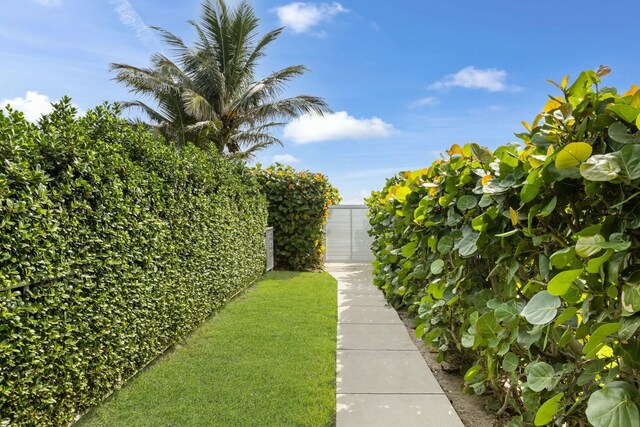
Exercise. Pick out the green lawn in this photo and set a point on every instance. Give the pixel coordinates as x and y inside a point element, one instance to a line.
<point>267,359</point>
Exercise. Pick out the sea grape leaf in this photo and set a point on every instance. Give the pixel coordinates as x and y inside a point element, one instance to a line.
<point>597,339</point>
<point>601,167</point>
<point>573,154</point>
<point>547,410</point>
<point>541,309</point>
<point>612,406</point>
<point>540,375</point>
<point>561,282</point>
<point>629,160</point>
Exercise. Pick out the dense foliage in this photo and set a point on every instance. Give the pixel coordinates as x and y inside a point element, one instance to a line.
<point>112,247</point>
<point>523,263</point>
<point>298,208</point>
<point>209,94</point>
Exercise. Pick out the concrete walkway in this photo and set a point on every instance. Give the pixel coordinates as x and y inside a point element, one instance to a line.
<point>382,379</point>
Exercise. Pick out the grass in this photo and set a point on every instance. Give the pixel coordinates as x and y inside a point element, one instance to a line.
<point>268,358</point>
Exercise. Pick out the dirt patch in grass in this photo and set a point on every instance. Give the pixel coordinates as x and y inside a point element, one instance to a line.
<point>470,408</point>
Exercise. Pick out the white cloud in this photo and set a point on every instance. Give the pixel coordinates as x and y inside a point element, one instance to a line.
<point>352,199</point>
<point>335,126</point>
<point>429,101</point>
<point>490,79</point>
<point>285,158</point>
<point>301,17</point>
<point>33,105</point>
<point>131,18</point>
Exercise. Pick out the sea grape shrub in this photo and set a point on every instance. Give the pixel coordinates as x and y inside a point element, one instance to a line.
<point>298,209</point>
<point>524,262</point>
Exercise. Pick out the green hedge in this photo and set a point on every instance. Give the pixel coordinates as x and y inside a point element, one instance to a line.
<point>298,208</point>
<point>125,245</point>
<point>523,265</point>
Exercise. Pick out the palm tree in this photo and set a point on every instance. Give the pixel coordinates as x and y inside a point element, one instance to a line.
<point>208,94</point>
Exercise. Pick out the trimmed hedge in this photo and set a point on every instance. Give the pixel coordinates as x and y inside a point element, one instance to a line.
<point>523,265</point>
<point>125,244</point>
<point>298,208</point>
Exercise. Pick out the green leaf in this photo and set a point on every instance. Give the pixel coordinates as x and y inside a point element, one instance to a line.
<point>409,249</point>
<point>506,313</point>
<point>591,371</point>
<point>573,154</point>
<point>548,208</point>
<point>467,245</point>
<point>508,233</point>
<point>467,202</point>
<point>487,326</point>
<point>541,309</point>
<point>529,192</point>
<point>445,244</point>
<point>612,406</point>
<point>618,132</point>
<point>563,257</point>
<point>566,315</point>
<point>510,362</point>
<point>598,337</point>
<point>629,159</point>
<point>601,167</point>
<point>589,246</point>
<point>594,264</point>
<point>630,298</point>
<point>481,153</point>
<point>472,372</point>
<point>437,266</point>
<point>540,375</point>
<point>548,410</point>
<point>562,281</point>
<point>625,112</point>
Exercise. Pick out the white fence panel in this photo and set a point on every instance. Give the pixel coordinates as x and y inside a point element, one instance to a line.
<point>346,237</point>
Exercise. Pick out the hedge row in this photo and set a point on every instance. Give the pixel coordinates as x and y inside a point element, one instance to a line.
<point>298,208</point>
<point>125,246</point>
<point>522,264</point>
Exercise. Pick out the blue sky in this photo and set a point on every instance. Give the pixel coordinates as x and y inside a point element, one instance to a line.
<point>405,79</point>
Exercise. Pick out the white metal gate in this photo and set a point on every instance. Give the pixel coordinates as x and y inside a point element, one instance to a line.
<point>346,237</point>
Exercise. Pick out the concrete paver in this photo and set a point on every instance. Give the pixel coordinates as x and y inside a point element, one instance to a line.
<point>361,299</point>
<point>381,379</point>
<point>387,410</point>
<point>359,336</point>
<point>367,315</point>
<point>384,372</point>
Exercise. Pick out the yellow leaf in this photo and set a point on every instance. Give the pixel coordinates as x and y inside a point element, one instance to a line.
<point>402,193</point>
<point>486,179</point>
<point>514,217</point>
<point>550,150</point>
<point>433,191</point>
<point>526,125</point>
<point>537,120</point>
<point>552,104</point>
<point>406,174</point>
<point>455,150</point>
<point>632,91</point>
<point>565,81</point>
<point>573,154</point>
<point>635,101</point>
